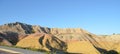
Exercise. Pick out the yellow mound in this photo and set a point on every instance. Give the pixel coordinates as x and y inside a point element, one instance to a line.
<point>81,47</point>
<point>42,41</point>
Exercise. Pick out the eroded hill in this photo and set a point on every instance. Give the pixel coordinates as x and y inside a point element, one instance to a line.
<point>74,40</point>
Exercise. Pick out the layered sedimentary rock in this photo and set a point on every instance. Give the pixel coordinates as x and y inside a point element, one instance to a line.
<point>4,41</point>
<point>16,27</point>
<point>42,41</point>
<point>38,29</point>
<point>12,37</point>
<point>22,28</point>
<point>19,32</point>
<point>79,35</point>
<point>114,40</point>
<point>82,47</point>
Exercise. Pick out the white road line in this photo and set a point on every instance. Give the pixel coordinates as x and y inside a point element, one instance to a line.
<point>10,51</point>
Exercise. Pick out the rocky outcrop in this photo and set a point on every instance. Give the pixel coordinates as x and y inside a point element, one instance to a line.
<point>16,27</point>
<point>41,37</point>
<point>76,35</point>
<point>22,28</point>
<point>114,40</point>
<point>12,37</point>
<point>66,31</point>
<point>38,29</point>
<point>4,41</point>
<point>42,41</point>
<point>15,32</point>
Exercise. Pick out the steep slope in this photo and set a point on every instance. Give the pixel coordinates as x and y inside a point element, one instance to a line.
<point>42,41</point>
<point>38,29</point>
<point>82,47</point>
<point>16,27</point>
<point>4,41</point>
<point>22,28</point>
<point>12,37</point>
<point>77,34</point>
<point>14,32</point>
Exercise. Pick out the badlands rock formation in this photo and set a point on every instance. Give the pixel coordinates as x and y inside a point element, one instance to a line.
<point>22,28</point>
<point>42,41</point>
<point>77,35</point>
<point>4,41</point>
<point>76,39</point>
<point>115,41</point>
<point>82,47</point>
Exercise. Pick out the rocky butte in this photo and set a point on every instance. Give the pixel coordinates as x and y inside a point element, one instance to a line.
<point>72,40</point>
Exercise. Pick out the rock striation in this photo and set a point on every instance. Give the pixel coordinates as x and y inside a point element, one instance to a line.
<point>34,36</point>
<point>114,40</point>
<point>4,41</point>
<point>22,28</point>
<point>42,41</point>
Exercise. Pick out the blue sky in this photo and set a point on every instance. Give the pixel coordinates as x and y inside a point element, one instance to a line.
<point>95,16</point>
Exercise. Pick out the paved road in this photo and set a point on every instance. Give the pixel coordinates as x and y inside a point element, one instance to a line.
<point>23,51</point>
<point>2,52</point>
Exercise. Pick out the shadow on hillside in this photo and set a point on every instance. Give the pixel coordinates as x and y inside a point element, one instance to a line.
<point>112,52</point>
<point>103,51</point>
<point>74,53</point>
<point>10,36</point>
<point>62,45</point>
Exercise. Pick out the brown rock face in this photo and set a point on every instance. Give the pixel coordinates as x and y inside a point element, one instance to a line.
<point>66,31</point>
<point>14,32</point>
<point>22,28</point>
<point>4,41</point>
<point>12,37</point>
<point>42,41</point>
<point>16,27</point>
<point>78,35</point>
<point>38,29</point>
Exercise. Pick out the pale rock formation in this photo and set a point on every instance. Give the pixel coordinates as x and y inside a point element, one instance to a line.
<point>42,41</point>
<point>78,36</point>
<point>82,47</point>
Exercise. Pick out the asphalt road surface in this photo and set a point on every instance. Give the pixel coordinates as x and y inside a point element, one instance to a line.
<point>22,51</point>
<point>2,52</point>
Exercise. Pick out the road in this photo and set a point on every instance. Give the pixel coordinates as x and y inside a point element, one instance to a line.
<point>22,51</point>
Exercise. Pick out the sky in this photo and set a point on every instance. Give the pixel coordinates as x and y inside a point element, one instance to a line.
<point>95,16</point>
